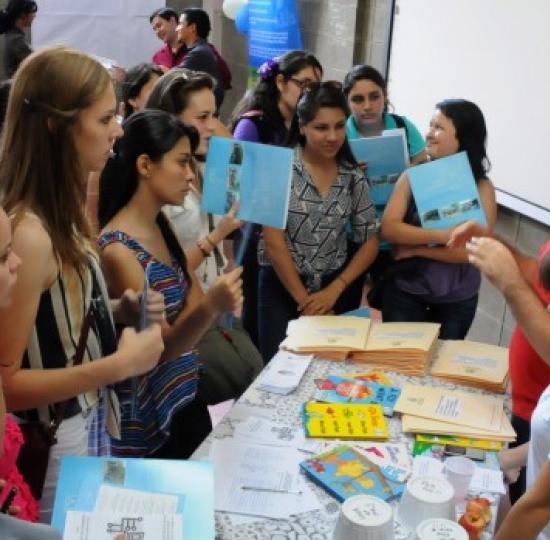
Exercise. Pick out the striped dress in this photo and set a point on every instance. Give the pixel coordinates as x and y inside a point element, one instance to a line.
<point>168,388</point>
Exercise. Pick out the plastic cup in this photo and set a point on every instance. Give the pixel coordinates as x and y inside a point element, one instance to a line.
<point>426,497</point>
<point>440,529</point>
<point>459,471</point>
<point>363,517</point>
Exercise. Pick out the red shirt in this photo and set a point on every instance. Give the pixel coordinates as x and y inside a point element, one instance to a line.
<point>165,57</point>
<point>529,373</point>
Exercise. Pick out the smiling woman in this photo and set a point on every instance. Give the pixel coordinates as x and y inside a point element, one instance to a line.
<point>305,269</point>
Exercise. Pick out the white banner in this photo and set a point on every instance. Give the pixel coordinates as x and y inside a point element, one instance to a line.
<point>116,29</point>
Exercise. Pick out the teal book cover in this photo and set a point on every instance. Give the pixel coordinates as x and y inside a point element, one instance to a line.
<point>386,157</point>
<point>81,478</point>
<point>345,472</point>
<point>335,389</point>
<point>445,192</point>
<point>255,175</point>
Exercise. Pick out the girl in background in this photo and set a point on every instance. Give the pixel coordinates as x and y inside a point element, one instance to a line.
<point>137,85</point>
<point>304,269</point>
<point>264,115</point>
<point>430,281</point>
<point>367,94</point>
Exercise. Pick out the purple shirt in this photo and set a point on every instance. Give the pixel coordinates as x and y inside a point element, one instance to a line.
<point>246,130</point>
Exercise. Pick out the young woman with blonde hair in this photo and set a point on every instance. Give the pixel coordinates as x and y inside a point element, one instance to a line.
<point>60,126</point>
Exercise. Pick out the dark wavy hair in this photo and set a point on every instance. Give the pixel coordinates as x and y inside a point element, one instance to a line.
<point>136,78</point>
<point>327,94</point>
<point>364,72</point>
<point>265,94</point>
<point>471,132</point>
<point>149,132</point>
<point>13,11</point>
<point>171,92</point>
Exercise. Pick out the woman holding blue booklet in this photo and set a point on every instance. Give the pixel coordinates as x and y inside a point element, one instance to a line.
<point>367,93</point>
<point>305,268</point>
<point>430,281</point>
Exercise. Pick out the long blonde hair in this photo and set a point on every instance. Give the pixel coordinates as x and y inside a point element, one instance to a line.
<point>39,164</point>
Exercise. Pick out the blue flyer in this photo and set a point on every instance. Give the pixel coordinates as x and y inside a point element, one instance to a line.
<point>386,157</point>
<point>445,192</point>
<point>255,175</point>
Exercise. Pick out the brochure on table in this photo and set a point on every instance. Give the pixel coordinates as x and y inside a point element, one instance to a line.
<point>445,192</point>
<point>386,157</point>
<point>81,479</point>
<point>257,176</point>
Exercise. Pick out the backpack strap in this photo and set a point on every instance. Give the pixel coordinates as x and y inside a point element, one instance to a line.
<point>400,123</point>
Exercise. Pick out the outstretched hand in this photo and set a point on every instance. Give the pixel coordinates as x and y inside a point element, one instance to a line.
<point>464,232</point>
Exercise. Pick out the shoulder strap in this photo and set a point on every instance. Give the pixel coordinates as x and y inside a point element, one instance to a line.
<point>400,123</point>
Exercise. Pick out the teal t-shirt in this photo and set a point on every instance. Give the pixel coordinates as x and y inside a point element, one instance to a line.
<point>415,142</point>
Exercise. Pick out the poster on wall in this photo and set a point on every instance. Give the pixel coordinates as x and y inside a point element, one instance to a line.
<point>114,29</point>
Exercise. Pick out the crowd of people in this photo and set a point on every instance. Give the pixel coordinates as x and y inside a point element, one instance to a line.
<point>118,335</point>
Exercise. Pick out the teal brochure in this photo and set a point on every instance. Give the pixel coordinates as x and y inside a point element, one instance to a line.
<point>386,157</point>
<point>81,478</point>
<point>445,192</point>
<point>256,175</point>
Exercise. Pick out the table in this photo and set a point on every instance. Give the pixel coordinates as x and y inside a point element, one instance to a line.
<point>286,410</point>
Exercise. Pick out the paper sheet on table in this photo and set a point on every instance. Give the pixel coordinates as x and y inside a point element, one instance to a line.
<point>483,479</point>
<point>103,526</point>
<point>261,469</point>
<point>112,499</point>
<point>284,373</point>
<point>262,431</point>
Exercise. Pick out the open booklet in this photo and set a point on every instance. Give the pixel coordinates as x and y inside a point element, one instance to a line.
<point>257,176</point>
<point>386,157</point>
<point>445,192</point>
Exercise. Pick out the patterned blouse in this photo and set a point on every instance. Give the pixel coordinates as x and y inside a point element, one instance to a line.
<point>316,230</point>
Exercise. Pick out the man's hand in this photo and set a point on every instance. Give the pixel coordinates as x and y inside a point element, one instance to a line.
<point>494,260</point>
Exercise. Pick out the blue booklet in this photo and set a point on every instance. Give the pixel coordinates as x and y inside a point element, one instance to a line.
<point>192,482</point>
<point>335,389</point>
<point>345,472</point>
<point>386,157</point>
<point>445,192</point>
<point>256,175</point>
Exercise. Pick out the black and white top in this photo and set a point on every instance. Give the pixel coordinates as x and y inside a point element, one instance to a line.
<point>317,228</point>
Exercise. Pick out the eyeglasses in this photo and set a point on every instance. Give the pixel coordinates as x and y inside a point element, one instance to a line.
<point>315,86</point>
<point>301,84</point>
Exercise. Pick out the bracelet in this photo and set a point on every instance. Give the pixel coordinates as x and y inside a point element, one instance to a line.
<point>346,284</point>
<point>203,251</point>
<point>207,238</point>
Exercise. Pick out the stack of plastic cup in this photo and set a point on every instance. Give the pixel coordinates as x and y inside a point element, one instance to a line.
<point>459,471</point>
<point>426,497</point>
<point>363,517</point>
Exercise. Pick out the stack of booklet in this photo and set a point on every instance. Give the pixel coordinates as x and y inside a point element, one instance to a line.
<point>473,364</point>
<point>402,347</point>
<point>328,336</point>
<point>427,409</point>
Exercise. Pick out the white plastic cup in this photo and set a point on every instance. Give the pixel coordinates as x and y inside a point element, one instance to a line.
<point>440,529</point>
<point>364,517</point>
<point>426,497</point>
<point>459,471</point>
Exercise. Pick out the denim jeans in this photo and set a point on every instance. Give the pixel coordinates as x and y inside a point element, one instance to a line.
<point>276,308</point>
<point>455,317</point>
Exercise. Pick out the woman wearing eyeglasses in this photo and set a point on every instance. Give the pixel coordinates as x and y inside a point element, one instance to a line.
<point>303,269</point>
<point>264,115</point>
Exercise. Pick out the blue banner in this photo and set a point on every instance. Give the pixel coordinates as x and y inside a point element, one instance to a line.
<point>273,29</point>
